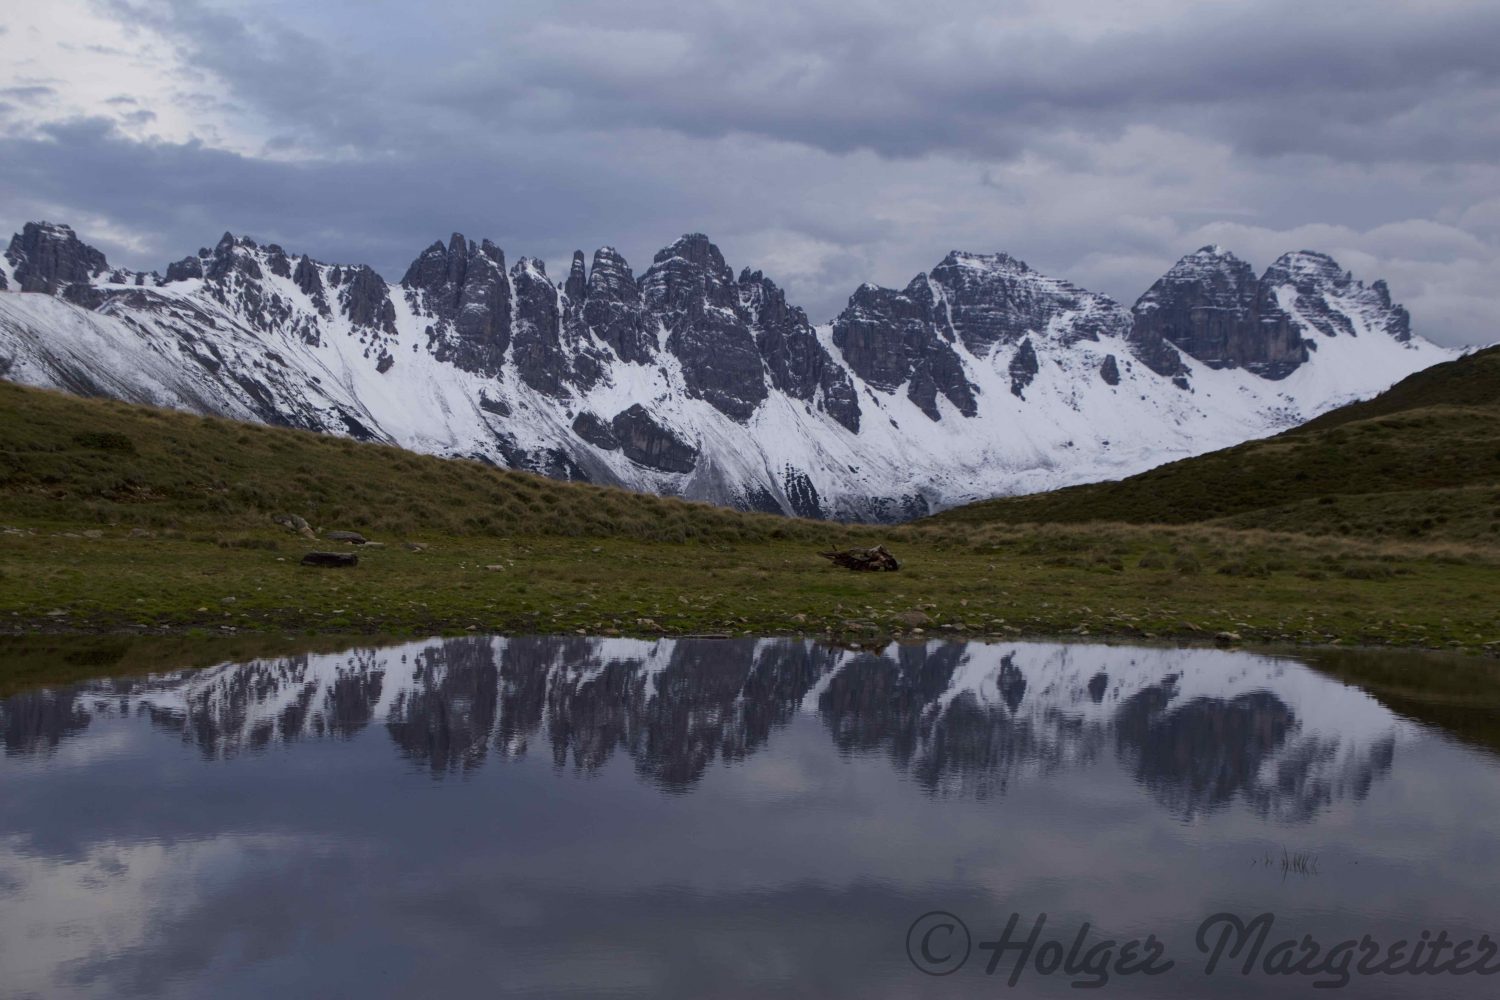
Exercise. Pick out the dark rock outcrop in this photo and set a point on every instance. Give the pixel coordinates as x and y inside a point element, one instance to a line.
<point>646,442</point>
<point>576,287</point>
<point>612,308</point>
<point>1314,279</point>
<point>464,288</point>
<point>798,364</point>
<point>536,330</point>
<point>182,270</point>
<point>276,261</point>
<point>801,493</point>
<point>592,428</point>
<point>1211,306</point>
<point>227,259</point>
<point>48,257</point>
<point>890,339</point>
<point>994,299</point>
<point>367,299</point>
<point>1023,368</point>
<point>310,282</point>
<point>691,291</point>
<point>1109,370</point>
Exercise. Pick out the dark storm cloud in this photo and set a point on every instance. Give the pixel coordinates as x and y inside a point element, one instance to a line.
<point>1267,77</point>
<point>382,212</point>
<point>827,142</point>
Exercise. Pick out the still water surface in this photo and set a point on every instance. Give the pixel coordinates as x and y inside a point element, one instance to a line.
<point>699,818</point>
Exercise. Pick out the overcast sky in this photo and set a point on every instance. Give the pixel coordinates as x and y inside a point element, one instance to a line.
<point>827,142</point>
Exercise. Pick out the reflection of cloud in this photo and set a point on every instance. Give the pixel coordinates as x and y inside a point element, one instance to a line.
<point>144,929</point>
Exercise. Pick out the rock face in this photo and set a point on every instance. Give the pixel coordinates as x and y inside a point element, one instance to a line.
<point>692,293</point>
<point>1109,370</point>
<point>891,339</point>
<point>646,442</point>
<point>595,431</point>
<point>1312,291</point>
<point>613,309</point>
<point>536,339</point>
<point>796,361</point>
<point>1212,307</point>
<point>365,298</point>
<point>982,376</point>
<point>48,257</point>
<point>463,291</point>
<point>994,299</point>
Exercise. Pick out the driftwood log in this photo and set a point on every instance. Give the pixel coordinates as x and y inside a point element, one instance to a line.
<point>332,559</point>
<point>876,560</point>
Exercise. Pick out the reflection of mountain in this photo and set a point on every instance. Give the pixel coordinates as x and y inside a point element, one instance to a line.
<point>1204,753</point>
<point>1198,729</point>
<point>37,721</point>
<point>444,717</point>
<point>250,706</point>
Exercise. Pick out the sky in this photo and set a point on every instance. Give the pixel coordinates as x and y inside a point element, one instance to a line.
<point>825,142</point>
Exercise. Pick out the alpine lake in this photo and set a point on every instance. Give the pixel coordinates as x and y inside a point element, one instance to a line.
<point>610,817</point>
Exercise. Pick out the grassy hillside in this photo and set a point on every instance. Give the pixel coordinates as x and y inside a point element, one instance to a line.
<point>120,520</point>
<point>1421,461</point>
<point>64,459</point>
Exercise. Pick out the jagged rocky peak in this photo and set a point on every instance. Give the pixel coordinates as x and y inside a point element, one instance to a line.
<point>1210,277</point>
<point>688,275</point>
<point>185,269</point>
<point>276,261</point>
<point>892,339</point>
<point>576,287</point>
<point>365,298</point>
<point>536,329</point>
<point>997,299</point>
<point>49,257</point>
<point>691,292</point>
<point>307,278</point>
<point>706,382</point>
<point>798,363</point>
<point>233,255</point>
<point>464,289</point>
<point>1324,297</point>
<point>1210,306</point>
<point>612,308</point>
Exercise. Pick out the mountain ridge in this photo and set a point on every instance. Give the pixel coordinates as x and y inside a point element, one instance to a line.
<point>980,377</point>
<point>1417,461</point>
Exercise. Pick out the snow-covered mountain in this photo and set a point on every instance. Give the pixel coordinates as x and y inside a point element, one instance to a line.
<point>1198,729</point>
<point>979,378</point>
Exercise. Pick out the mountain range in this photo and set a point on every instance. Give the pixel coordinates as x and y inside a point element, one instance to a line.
<point>981,377</point>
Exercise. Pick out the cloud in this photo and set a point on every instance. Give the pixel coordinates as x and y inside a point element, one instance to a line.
<point>825,142</point>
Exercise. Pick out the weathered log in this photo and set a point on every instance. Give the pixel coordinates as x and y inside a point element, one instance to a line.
<point>352,537</point>
<point>331,559</point>
<point>875,560</point>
